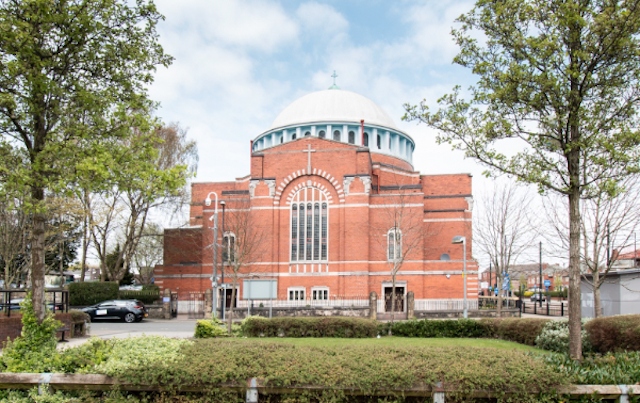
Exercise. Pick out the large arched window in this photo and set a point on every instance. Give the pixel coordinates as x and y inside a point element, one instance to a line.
<point>309,226</point>
<point>394,244</point>
<point>336,135</point>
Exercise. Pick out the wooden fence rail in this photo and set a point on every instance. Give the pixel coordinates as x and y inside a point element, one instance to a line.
<point>255,387</point>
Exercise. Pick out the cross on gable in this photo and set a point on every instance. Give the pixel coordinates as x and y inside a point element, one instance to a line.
<point>308,151</point>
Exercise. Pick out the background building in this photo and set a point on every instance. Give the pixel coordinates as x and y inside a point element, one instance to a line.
<point>332,207</point>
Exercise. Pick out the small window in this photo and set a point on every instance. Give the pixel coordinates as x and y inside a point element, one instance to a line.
<point>281,139</point>
<point>228,248</point>
<point>366,140</point>
<point>379,142</point>
<point>322,134</point>
<point>320,294</point>
<point>307,134</point>
<point>293,136</point>
<point>296,294</point>
<point>352,137</point>
<point>336,135</point>
<point>389,142</point>
<point>394,244</point>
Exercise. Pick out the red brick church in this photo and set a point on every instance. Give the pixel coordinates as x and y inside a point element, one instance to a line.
<point>331,208</point>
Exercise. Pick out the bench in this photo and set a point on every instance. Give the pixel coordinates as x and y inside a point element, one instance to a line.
<point>63,330</point>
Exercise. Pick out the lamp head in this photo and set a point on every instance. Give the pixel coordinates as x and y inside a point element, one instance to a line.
<point>207,201</point>
<point>222,203</point>
<point>458,239</point>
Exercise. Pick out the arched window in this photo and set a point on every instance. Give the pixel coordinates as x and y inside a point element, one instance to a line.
<point>352,137</point>
<point>281,139</point>
<point>389,142</point>
<point>309,225</point>
<point>379,142</point>
<point>394,245</point>
<point>322,134</point>
<point>307,134</point>
<point>336,135</point>
<point>228,248</point>
<point>293,136</point>
<point>366,140</point>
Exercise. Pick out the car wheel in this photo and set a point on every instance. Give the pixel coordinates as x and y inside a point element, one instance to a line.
<point>129,318</point>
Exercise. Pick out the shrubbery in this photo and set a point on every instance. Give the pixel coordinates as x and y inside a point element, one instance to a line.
<point>207,328</point>
<point>35,349</point>
<point>523,331</point>
<point>255,326</point>
<point>438,328</point>
<point>90,293</point>
<point>146,296</point>
<point>555,337</point>
<point>614,333</point>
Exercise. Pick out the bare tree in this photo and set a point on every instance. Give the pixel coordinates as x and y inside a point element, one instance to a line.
<point>607,226</point>
<point>504,227</point>
<point>14,240</point>
<point>243,243</point>
<point>400,231</point>
<point>148,254</point>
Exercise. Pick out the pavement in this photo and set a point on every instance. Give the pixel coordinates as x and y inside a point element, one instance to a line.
<point>181,327</point>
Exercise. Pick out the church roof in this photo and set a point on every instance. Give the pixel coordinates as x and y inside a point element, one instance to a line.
<point>333,105</point>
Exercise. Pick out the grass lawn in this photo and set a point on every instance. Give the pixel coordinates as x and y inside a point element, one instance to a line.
<point>398,342</point>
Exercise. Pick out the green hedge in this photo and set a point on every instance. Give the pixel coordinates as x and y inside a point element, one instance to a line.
<point>614,333</point>
<point>520,330</point>
<point>255,326</point>
<point>146,296</point>
<point>89,293</point>
<point>438,328</point>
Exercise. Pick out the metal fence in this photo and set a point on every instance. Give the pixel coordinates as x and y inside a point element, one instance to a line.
<point>55,299</point>
<point>444,304</point>
<point>332,302</point>
<point>548,308</point>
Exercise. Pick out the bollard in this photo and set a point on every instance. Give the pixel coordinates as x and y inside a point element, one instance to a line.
<point>252,391</point>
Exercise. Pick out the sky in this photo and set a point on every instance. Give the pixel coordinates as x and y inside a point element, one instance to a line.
<point>238,64</point>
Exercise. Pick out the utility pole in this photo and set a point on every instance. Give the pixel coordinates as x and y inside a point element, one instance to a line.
<point>540,289</point>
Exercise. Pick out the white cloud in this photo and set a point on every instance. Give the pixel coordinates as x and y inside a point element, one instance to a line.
<point>321,19</point>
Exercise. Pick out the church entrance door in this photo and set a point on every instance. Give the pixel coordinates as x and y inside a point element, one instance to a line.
<point>399,300</point>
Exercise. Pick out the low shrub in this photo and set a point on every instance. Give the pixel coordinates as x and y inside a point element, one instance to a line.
<point>90,293</point>
<point>146,296</point>
<point>595,369</point>
<point>35,349</point>
<point>439,328</point>
<point>614,333</point>
<point>255,326</point>
<point>555,337</point>
<point>207,328</point>
<point>520,330</point>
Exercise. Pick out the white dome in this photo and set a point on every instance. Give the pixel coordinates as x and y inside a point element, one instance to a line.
<point>333,105</point>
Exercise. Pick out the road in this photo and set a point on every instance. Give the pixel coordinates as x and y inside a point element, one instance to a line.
<point>106,329</point>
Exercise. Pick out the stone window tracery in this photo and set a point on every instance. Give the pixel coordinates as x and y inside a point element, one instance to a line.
<point>309,226</point>
<point>394,244</point>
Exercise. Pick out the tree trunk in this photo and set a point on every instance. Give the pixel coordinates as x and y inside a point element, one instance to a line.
<point>233,298</point>
<point>499,287</point>
<point>597,303</point>
<point>37,254</point>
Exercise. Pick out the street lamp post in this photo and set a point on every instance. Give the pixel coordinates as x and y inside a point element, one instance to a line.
<point>214,281</point>
<point>225,249</point>
<point>460,239</point>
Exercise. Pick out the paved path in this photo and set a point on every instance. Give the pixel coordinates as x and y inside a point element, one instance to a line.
<point>176,328</point>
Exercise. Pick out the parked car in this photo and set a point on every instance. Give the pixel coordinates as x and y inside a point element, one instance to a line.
<point>538,297</point>
<point>128,310</point>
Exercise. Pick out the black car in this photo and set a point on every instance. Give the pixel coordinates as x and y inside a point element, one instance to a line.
<point>129,310</point>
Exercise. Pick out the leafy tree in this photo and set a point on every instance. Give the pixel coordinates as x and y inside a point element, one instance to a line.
<point>555,104</point>
<point>73,79</point>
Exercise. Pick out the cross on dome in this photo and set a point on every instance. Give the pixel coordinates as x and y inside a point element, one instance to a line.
<point>334,86</point>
